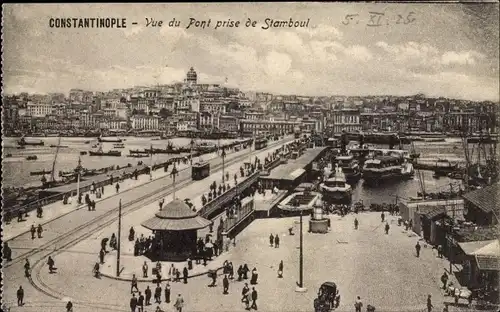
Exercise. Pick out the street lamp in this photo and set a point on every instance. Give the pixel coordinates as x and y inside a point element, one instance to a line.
<point>223,155</point>
<point>78,170</point>
<point>173,174</point>
<point>191,152</point>
<point>151,163</point>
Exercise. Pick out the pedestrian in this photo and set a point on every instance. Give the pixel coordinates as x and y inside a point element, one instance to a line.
<point>429,304</point>
<point>39,231</point>
<point>185,274</point>
<point>39,212</point>
<point>225,285</point>
<point>145,270</point>
<point>240,273</point>
<point>382,216</point>
<point>33,231</point>
<point>387,228</point>
<point>231,270</point>
<point>161,203</point>
<point>96,271</point>
<point>179,303</point>
<point>117,186</point>
<point>178,276</point>
<point>133,284</point>
<point>271,240</point>
<point>245,296</point>
<point>254,299</point>
<point>51,264</point>
<point>158,293</point>
<point>356,223</point>
<point>440,251</point>
<point>255,275</point>
<point>27,268</point>
<point>280,269</point>
<point>133,303</point>
<point>140,303</point>
<point>444,280</point>
<point>101,256</point>
<point>69,307</point>
<point>245,271</point>
<point>358,304</point>
<point>417,249</point>
<point>147,292</point>
<point>167,292</point>
<point>20,296</point>
<point>276,241</point>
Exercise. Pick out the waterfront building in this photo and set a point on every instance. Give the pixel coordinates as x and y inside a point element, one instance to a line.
<point>144,122</point>
<point>39,109</point>
<point>482,205</point>
<point>257,127</point>
<point>208,121</point>
<point>229,123</point>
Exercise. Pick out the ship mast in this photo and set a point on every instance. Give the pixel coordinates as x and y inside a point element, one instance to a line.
<point>55,159</point>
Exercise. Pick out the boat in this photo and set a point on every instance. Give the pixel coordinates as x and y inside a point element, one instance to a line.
<point>40,172</point>
<point>335,189</point>
<point>60,146</point>
<point>32,157</point>
<point>407,170</point>
<point>109,140</point>
<point>119,145</point>
<point>86,142</point>
<point>23,142</point>
<point>384,168</point>
<point>83,153</point>
<point>137,155</point>
<point>350,168</point>
<point>102,153</point>
<point>444,167</point>
<point>8,155</point>
<point>21,147</point>
<point>144,151</point>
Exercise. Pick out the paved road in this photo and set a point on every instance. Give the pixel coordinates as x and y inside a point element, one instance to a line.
<point>60,227</point>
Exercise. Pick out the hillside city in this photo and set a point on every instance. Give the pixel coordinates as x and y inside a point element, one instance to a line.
<point>191,106</point>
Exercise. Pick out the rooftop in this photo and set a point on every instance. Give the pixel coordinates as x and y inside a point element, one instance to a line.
<point>486,199</point>
<point>176,216</point>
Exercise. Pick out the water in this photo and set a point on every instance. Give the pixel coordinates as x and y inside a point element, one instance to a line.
<point>16,169</point>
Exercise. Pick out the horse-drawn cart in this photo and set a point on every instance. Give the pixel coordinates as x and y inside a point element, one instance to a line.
<point>328,297</point>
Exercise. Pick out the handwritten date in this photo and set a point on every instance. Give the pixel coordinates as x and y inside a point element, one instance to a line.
<point>377,19</point>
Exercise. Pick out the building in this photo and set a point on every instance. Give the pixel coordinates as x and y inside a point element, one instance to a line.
<point>208,121</point>
<point>347,119</point>
<point>144,122</point>
<point>483,206</point>
<point>192,77</point>
<point>229,123</point>
<point>257,127</point>
<point>38,110</point>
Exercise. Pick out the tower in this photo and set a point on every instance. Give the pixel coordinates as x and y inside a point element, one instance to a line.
<point>192,76</point>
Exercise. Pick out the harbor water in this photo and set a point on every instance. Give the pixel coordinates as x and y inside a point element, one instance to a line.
<point>16,169</point>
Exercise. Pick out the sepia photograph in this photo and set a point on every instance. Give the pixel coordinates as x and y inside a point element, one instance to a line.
<point>266,156</point>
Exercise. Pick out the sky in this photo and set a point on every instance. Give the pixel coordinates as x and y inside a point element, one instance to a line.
<point>449,50</point>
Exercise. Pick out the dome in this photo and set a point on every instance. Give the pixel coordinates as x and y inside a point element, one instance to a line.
<point>176,209</point>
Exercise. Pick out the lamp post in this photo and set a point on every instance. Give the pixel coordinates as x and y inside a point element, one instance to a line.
<point>191,152</point>
<point>223,155</point>
<point>78,170</point>
<point>174,174</point>
<point>151,163</point>
<point>300,284</point>
<point>119,238</point>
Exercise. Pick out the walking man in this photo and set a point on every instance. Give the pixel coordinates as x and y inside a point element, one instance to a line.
<point>117,187</point>
<point>417,249</point>
<point>27,268</point>
<point>276,241</point>
<point>140,303</point>
<point>167,292</point>
<point>254,299</point>
<point>133,284</point>
<point>133,303</point>
<point>33,231</point>
<point>387,228</point>
<point>185,274</point>
<point>145,270</point>
<point>444,280</point>
<point>358,304</point>
<point>429,304</point>
<point>356,223</point>
<point>20,296</point>
<point>101,256</point>
<point>51,264</point>
<point>225,285</point>
<point>147,292</point>
<point>271,240</point>
<point>179,303</point>
<point>280,269</point>
<point>158,294</point>
<point>382,216</point>
<point>39,231</point>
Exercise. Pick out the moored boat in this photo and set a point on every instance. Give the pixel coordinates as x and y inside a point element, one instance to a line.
<point>335,189</point>
<point>60,146</point>
<point>137,155</point>
<point>109,140</point>
<point>23,142</point>
<point>32,157</point>
<point>83,153</point>
<point>40,172</point>
<point>444,167</point>
<point>350,168</point>
<point>119,145</point>
<point>102,153</point>
<point>383,168</point>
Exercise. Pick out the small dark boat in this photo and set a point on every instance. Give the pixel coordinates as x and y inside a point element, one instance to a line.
<point>110,153</point>
<point>33,173</point>
<point>21,147</point>
<point>83,153</point>
<point>60,146</point>
<point>145,151</point>
<point>32,157</point>
<point>138,155</point>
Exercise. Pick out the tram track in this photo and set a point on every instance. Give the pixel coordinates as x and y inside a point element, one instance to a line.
<point>110,216</point>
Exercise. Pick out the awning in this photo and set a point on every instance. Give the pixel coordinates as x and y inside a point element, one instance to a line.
<point>481,248</point>
<point>488,263</point>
